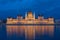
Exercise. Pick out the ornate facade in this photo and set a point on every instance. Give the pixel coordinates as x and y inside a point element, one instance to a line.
<point>30,19</point>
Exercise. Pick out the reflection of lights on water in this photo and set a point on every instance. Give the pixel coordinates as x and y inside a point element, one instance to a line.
<point>30,31</point>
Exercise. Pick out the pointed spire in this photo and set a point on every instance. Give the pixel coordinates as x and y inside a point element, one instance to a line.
<point>26,15</point>
<point>34,14</point>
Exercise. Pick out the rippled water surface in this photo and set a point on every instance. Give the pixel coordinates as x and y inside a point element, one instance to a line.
<point>29,32</point>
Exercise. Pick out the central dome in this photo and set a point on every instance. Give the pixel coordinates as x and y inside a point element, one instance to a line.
<point>30,15</point>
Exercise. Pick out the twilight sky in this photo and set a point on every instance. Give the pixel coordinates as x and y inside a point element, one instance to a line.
<point>45,7</point>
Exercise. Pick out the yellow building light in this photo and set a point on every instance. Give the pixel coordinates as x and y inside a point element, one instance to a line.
<point>30,19</point>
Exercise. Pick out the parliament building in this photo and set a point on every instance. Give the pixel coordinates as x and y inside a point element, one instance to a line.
<point>30,19</point>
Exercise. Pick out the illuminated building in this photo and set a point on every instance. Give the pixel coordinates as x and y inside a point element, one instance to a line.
<point>30,19</point>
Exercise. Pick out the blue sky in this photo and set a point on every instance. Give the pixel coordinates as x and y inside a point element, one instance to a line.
<point>45,7</point>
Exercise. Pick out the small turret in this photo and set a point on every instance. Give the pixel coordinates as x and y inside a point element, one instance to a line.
<point>9,18</point>
<point>51,20</point>
<point>40,17</point>
<point>19,17</point>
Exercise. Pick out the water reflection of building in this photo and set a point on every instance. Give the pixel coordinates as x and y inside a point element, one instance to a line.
<point>30,32</point>
<point>30,19</point>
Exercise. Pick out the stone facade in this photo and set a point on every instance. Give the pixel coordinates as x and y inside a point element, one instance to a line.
<point>30,19</point>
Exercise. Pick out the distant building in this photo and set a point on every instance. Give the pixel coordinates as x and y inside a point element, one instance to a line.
<point>30,19</point>
<point>57,21</point>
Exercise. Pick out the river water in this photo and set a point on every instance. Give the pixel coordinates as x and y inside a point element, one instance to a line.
<point>29,32</point>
